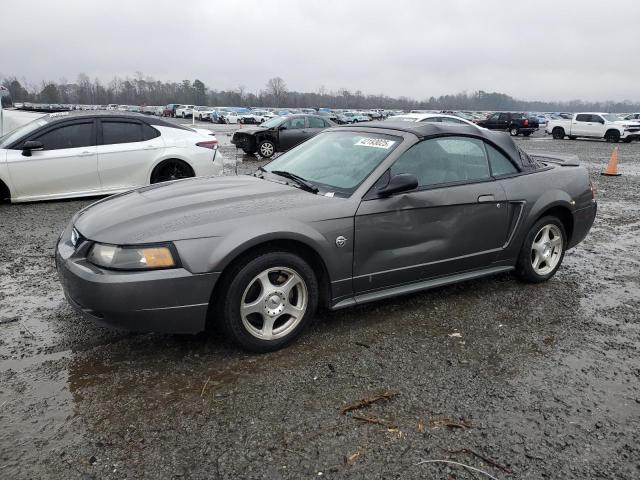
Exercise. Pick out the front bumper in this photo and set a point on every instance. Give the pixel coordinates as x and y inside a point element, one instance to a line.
<point>171,301</point>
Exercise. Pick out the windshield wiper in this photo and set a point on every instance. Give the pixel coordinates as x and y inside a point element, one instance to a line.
<point>305,184</point>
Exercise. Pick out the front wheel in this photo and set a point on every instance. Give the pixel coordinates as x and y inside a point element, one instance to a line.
<point>266,149</point>
<point>612,136</point>
<point>513,131</point>
<point>269,301</point>
<point>542,251</point>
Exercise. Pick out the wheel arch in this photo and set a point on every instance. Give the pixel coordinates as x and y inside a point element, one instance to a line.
<point>613,130</point>
<point>165,158</point>
<point>562,211</point>
<point>5,192</point>
<point>291,245</point>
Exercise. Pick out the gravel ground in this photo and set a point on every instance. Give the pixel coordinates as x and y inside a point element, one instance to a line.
<point>518,380</point>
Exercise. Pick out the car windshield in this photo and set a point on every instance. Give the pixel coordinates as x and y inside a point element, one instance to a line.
<point>274,122</point>
<point>611,117</point>
<point>21,131</point>
<point>336,162</point>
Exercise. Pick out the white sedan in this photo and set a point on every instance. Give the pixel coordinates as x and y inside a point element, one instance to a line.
<point>430,117</point>
<point>80,154</point>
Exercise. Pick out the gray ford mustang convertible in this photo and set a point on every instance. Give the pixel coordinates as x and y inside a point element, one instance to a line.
<point>353,215</point>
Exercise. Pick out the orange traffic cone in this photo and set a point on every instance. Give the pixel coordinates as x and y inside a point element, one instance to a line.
<point>612,167</point>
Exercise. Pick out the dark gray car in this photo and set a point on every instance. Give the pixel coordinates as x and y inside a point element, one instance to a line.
<point>353,215</point>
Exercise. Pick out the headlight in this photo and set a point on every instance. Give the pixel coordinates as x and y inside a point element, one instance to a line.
<point>132,258</point>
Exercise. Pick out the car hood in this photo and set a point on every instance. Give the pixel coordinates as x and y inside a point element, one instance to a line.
<point>252,131</point>
<point>193,208</point>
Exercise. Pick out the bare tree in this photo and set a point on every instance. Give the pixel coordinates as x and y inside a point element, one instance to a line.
<point>277,88</point>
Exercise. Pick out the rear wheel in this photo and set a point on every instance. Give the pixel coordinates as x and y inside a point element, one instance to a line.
<point>612,136</point>
<point>558,133</point>
<point>542,251</point>
<point>266,149</point>
<point>269,301</point>
<point>627,140</point>
<point>172,169</point>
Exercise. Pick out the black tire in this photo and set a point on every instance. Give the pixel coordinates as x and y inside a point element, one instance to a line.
<point>527,134</point>
<point>513,131</point>
<point>172,169</point>
<point>524,267</point>
<point>572,137</point>
<point>239,278</point>
<point>266,149</point>
<point>612,136</point>
<point>558,133</point>
<point>627,140</point>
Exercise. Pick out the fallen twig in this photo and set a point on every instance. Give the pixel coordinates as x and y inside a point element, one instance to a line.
<point>365,402</point>
<point>351,459</point>
<point>204,387</point>
<point>375,421</point>
<point>474,469</point>
<point>491,462</point>
<point>27,330</point>
<point>361,344</point>
<point>9,320</point>
<point>297,453</point>
<point>449,422</point>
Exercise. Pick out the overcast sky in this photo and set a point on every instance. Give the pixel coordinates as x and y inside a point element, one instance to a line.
<point>546,50</point>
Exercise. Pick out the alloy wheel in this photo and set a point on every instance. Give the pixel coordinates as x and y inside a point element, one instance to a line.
<point>266,149</point>
<point>274,303</point>
<point>546,249</point>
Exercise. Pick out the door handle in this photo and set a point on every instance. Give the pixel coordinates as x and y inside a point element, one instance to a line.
<point>84,154</point>
<point>486,198</point>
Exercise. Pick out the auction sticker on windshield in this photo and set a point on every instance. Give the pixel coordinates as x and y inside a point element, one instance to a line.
<point>375,142</point>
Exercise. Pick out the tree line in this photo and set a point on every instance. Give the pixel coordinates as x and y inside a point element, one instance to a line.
<point>144,90</point>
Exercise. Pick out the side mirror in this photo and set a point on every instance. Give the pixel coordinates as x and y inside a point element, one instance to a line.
<point>403,182</point>
<point>282,127</point>
<point>30,146</point>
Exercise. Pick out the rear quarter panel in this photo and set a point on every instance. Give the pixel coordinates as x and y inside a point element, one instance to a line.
<point>558,186</point>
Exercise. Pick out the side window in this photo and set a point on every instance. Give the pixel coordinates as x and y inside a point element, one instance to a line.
<point>68,136</point>
<point>504,117</point>
<point>597,119</point>
<point>121,132</point>
<point>295,123</point>
<point>432,119</point>
<point>315,122</point>
<point>444,160</point>
<point>494,117</point>
<point>149,132</point>
<point>583,117</point>
<point>500,165</point>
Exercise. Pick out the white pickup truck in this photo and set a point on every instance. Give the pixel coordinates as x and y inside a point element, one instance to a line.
<point>595,125</point>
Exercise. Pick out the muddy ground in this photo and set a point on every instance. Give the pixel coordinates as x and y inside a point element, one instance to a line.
<point>540,380</point>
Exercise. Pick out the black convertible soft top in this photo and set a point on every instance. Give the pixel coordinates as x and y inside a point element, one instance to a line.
<point>432,129</point>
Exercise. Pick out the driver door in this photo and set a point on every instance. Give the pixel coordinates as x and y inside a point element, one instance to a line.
<point>294,132</point>
<point>455,221</point>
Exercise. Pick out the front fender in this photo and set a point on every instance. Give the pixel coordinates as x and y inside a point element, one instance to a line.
<point>214,254</point>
